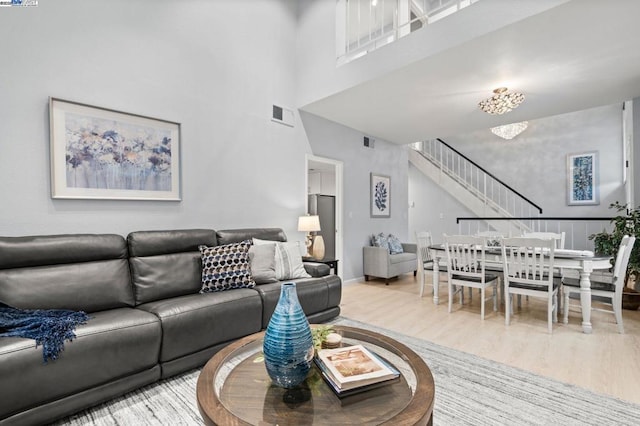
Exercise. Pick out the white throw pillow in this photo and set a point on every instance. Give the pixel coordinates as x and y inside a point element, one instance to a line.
<point>288,260</point>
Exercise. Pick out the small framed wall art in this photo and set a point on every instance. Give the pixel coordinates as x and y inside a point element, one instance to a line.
<point>99,153</point>
<point>582,179</point>
<point>380,195</point>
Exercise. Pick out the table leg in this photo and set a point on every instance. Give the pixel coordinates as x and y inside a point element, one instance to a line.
<point>585,301</point>
<point>435,279</point>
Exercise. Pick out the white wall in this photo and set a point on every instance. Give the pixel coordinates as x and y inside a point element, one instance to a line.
<point>215,67</point>
<point>534,164</point>
<point>335,141</point>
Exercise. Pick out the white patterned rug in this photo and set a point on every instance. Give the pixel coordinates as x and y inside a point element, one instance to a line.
<point>469,391</point>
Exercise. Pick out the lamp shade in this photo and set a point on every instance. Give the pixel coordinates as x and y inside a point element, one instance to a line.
<point>309,223</point>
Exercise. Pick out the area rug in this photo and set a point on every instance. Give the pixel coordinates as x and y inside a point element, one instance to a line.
<point>469,391</point>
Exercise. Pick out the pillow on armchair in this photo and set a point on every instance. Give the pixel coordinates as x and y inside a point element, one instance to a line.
<point>395,245</point>
<point>380,240</point>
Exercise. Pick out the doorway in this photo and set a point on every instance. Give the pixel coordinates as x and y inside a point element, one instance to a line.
<point>324,183</point>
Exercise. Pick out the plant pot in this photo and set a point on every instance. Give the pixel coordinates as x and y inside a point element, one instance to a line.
<point>630,299</point>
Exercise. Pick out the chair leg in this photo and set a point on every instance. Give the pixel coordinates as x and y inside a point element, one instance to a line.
<point>496,286</point>
<point>366,277</point>
<point>507,307</point>
<point>550,311</point>
<point>566,306</point>
<point>450,297</point>
<point>422,274</point>
<point>617,310</point>
<point>482,290</point>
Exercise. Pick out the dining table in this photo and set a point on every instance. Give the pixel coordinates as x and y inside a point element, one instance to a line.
<point>584,262</point>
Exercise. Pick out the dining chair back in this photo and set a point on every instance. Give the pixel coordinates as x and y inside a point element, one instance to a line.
<point>424,259</point>
<point>466,268</point>
<point>528,271</point>
<point>610,290</point>
<point>558,237</point>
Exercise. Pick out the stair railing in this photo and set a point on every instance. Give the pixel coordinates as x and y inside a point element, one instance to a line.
<point>494,193</point>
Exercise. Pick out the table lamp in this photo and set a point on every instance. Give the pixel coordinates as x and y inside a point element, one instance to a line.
<point>309,224</point>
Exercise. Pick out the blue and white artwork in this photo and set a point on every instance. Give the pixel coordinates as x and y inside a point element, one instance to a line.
<point>583,178</point>
<point>105,154</point>
<point>380,196</point>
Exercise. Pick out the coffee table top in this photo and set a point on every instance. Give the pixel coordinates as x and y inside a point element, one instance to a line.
<point>234,388</point>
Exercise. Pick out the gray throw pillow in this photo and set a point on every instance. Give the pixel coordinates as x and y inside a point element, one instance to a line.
<point>262,259</point>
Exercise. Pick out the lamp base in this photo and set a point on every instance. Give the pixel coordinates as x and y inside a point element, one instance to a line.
<point>318,247</point>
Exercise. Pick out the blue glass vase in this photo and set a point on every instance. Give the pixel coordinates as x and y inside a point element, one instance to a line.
<point>288,345</point>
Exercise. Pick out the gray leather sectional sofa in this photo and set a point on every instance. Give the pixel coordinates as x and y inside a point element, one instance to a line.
<point>148,319</point>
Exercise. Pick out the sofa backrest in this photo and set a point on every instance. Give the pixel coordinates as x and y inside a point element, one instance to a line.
<point>229,236</point>
<point>86,272</point>
<point>167,263</point>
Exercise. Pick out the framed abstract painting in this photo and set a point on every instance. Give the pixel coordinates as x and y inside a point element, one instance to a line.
<point>380,195</point>
<point>582,179</point>
<point>99,153</point>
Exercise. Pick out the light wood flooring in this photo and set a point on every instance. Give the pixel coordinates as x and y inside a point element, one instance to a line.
<point>604,361</point>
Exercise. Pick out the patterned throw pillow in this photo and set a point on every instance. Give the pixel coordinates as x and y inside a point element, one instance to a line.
<point>380,240</point>
<point>395,246</point>
<point>226,267</point>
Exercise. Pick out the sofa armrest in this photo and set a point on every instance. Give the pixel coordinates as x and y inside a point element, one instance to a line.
<point>375,261</point>
<point>410,247</point>
<point>316,269</point>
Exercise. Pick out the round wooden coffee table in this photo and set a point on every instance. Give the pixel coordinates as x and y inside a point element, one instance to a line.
<point>234,389</point>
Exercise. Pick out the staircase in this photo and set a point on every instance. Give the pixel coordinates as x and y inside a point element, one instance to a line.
<point>480,191</point>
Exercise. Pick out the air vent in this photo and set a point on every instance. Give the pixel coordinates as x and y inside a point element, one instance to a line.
<point>282,115</point>
<point>368,142</point>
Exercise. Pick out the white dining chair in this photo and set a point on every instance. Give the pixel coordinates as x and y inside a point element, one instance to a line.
<point>466,268</point>
<point>610,290</point>
<point>528,271</point>
<point>424,259</point>
<point>558,237</point>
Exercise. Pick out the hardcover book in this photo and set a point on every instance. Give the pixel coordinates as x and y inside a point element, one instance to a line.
<point>354,367</point>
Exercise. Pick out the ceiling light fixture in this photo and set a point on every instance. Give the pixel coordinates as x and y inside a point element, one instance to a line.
<point>501,102</point>
<point>510,131</point>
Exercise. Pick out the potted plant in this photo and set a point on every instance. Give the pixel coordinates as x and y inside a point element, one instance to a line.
<point>627,222</point>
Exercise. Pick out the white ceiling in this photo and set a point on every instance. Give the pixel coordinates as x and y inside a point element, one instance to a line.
<point>579,55</point>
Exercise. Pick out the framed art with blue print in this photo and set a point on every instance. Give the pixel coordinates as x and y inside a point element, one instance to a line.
<point>380,196</point>
<point>582,179</point>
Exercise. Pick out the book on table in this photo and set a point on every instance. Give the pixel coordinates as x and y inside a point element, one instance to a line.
<point>354,368</point>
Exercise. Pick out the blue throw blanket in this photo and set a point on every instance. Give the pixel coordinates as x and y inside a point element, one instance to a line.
<point>49,328</point>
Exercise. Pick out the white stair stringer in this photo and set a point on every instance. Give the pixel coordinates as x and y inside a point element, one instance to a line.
<point>466,195</point>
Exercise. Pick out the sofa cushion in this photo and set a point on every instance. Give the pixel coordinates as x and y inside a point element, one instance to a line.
<point>167,264</point>
<point>84,272</point>
<point>262,260</point>
<point>154,243</point>
<point>229,236</point>
<point>112,344</point>
<point>226,267</point>
<point>287,258</point>
<point>195,322</point>
<point>402,257</point>
<point>315,295</point>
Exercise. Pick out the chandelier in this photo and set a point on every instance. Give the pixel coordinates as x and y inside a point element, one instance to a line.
<point>501,102</point>
<point>510,131</point>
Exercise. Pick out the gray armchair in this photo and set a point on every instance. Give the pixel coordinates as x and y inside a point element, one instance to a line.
<point>379,263</point>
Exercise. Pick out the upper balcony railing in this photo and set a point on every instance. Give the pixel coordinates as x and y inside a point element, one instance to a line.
<point>364,25</point>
